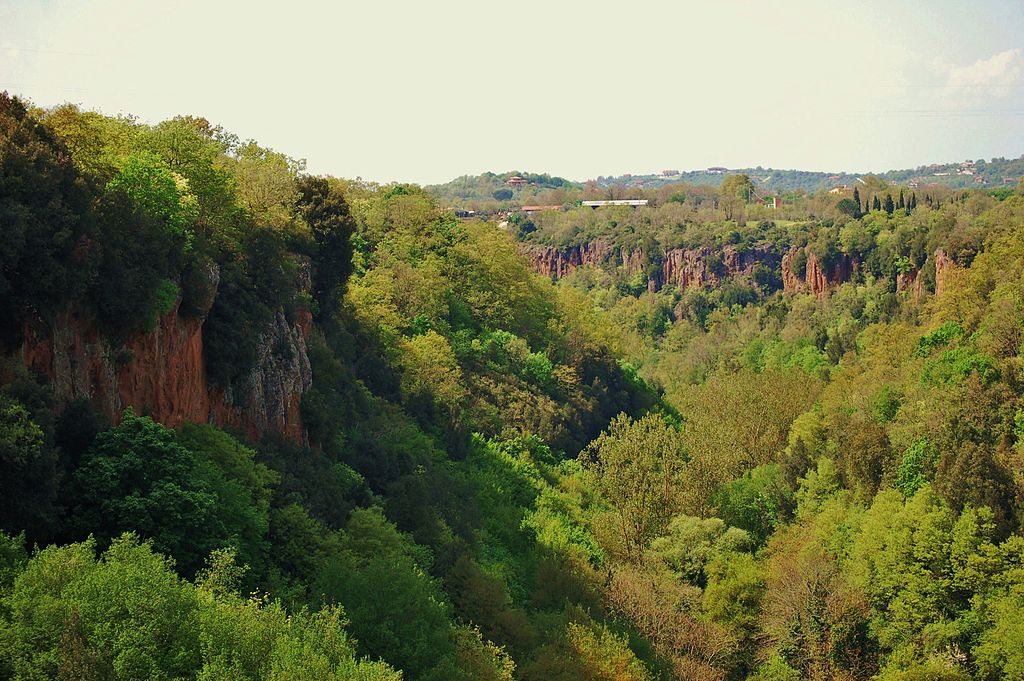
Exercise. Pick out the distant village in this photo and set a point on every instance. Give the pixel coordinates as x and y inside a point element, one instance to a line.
<point>769,185</point>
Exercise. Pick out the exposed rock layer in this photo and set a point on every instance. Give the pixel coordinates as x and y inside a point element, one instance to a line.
<point>817,277</point>
<point>943,266</point>
<point>683,268</point>
<point>707,267</point>
<point>161,373</point>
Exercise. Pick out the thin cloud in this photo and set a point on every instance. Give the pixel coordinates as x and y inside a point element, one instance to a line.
<point>985,79</point>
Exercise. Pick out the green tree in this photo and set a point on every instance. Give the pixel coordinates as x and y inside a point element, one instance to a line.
<point>324,209</point>
<point>137,477</point>
<point>917,467</point>
<point>46,256</point>
<point>635,465</point>
<point>129,616</point>
<point>266,182</point>
<point>1000,653</point>
<point>242,488</point>
<point>733,596</point>
<point>691,543</point>
<point>126,617</point>
<point>158,192</point>
<point>889,205</point>
<point>29,464</point>
<point>397,611</point>
<point>849,207</point>
<point>739,186</point>
<point>757,502</point>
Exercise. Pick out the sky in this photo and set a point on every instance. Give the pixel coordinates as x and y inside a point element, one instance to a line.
<point>427,91</point>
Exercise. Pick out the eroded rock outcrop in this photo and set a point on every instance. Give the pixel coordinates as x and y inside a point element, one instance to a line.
<point>707,267</point>
<point>558,262</point>
<point>268,399</point>
<point>817,278</point>
<point>911,281</point>
<point>791,281</point>
<point>943,266</point>
<point>682,268</point>
<point>161,373</point>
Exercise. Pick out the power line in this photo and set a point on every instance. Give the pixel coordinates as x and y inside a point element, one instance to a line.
<point>15,48</point>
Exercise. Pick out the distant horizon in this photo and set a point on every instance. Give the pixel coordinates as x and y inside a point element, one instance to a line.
<point>427,92</point>
<point>683,170</point>
<point>526,168</point>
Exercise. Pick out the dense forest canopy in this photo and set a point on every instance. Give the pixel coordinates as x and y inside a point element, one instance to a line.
<point>501,474</point>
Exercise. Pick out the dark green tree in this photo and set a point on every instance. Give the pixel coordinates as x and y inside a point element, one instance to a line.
<point>28,483</point>
<point>396,610</point>
<point>137,477</point>
<point>889,205</point>
<point>46,223</point>
<point>325,211</point>
<point>849,207</point>
<point>242,488</point>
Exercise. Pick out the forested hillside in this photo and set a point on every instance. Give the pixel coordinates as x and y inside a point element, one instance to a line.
<point>490,191</point>
<point>258,424</point>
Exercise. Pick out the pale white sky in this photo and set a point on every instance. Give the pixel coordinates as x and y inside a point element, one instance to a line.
<point>426,91</point>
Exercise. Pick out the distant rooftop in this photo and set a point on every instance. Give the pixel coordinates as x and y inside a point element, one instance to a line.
<point>618,202</point>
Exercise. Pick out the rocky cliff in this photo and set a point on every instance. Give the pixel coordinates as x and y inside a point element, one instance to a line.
<point>943,266</point>
<point>913,280</point>
<point>818,278</point>
<point>558,262</point>
<point>707,267</point>
<point>683,268</point>
<point>161,373</point>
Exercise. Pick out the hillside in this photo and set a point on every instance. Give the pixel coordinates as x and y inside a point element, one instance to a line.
<point>489,190</point>
<point>954,175</point>
<point>259,424</point>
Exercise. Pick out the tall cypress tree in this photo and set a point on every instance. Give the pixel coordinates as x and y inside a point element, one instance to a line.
<point>902,204</point>
<point>889,205</point>
<point>913,201</point>
<point>876,204</point>
<point>856,197</point>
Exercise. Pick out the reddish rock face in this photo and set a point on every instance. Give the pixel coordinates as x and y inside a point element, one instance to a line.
<point>634,261</point>
<point>558,262</point>
<point>161,373</point>
<point>817,279</point>
<point>906,281</point>
<point>685,268</point>
<point>912,281</point>
<point>697,268</point>
<point>791,283</point>
<point>943,266</point>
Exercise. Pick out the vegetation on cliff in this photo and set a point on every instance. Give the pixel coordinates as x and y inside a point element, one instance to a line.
<point>497,475</point>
